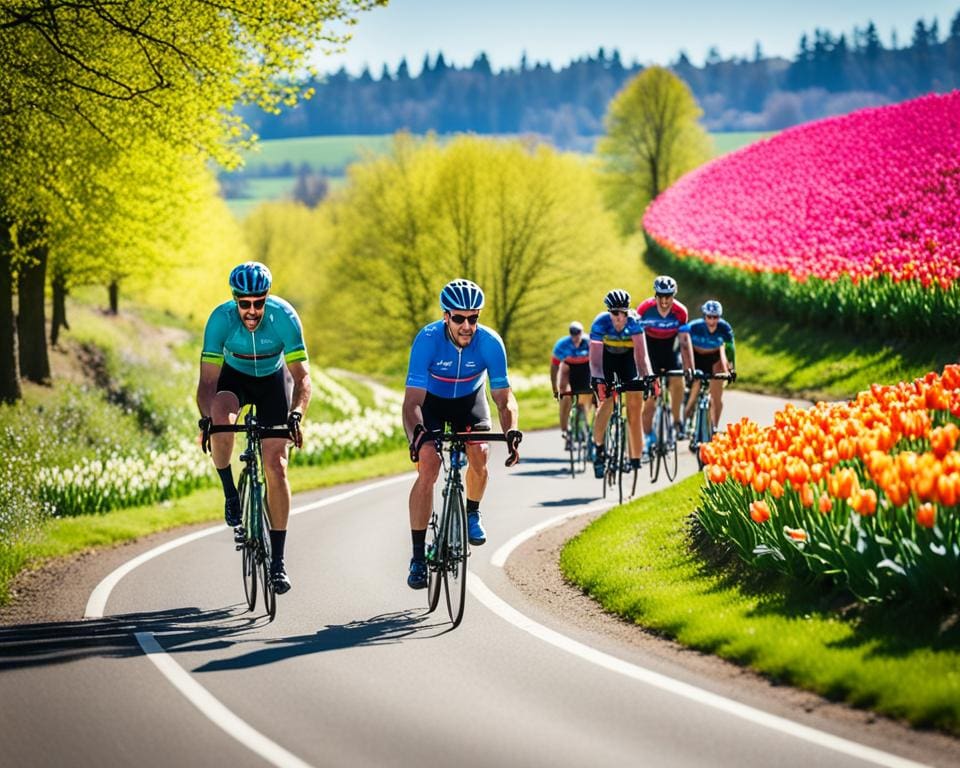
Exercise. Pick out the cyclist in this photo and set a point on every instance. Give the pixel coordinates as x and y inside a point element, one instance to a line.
<point>662,317</point>
<point>710,337</point>
<point>254,353</point>
<point>450,361</point>
<point>570,372</point>
<point>617,346</point>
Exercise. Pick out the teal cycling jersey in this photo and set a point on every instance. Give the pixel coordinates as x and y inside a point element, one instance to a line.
<point>445,369</point>
<point>278,339</point>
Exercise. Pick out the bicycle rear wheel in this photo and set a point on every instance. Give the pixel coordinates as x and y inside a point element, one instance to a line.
<point>703,431</point>
<point>247,550</point>
<point>573,435</point>
<point>610,446</point>
<point>455,557</point>
<point>436,553</point>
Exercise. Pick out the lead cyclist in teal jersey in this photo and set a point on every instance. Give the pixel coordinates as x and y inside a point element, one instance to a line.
<point>254,353</point>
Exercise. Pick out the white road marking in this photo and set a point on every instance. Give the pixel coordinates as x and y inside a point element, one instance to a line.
<point>691,692</point>
<point>213,710</point>
<point>97,602</point>
<point>501,555</point>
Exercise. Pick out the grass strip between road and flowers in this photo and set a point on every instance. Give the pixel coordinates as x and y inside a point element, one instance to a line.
<point>639,563</point>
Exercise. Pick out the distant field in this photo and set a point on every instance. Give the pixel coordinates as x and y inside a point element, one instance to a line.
<point>335,153</point>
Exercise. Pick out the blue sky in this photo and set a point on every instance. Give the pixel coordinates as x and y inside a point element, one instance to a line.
<point>650,32</point>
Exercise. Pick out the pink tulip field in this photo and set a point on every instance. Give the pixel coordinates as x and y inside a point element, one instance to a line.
<point>856,216</point>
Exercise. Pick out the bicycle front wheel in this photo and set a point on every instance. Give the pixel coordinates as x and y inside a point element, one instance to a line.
<point>265,556</point>
<point>670,447</point>
<point>657,450</point>
<point>621,456</point>
<point>455,559</point>
<point>573,437</point>
<point>703,432</point>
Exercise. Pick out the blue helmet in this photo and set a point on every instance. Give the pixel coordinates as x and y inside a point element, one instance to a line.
<point>461,294</point>
<point>712,307</point>
<point>250,279</point>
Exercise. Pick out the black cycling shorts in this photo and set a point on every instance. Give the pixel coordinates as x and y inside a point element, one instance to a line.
<point>580,378</point>
<point>469,413</point>
<point>624,366</point>
<point>663,356</point>
<point>705,361</point>
<point>270,394</point>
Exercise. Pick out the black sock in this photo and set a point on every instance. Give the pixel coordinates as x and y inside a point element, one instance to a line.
<point>472,506</point>
<point>226,478</point>
<point>419,539</point>
<point>277,540</point>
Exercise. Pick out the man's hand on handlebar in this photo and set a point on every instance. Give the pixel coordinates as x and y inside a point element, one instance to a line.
<point>205,424</point>
<point>420,436</point>
<point>514,436</point>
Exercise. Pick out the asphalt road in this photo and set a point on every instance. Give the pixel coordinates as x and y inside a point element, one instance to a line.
<point>354,672</point>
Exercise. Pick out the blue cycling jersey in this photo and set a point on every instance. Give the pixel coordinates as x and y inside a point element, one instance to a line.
<point>704,340</point>
<point>446,369</point>
<point>565,351</point>
<point>615,341</point>
<point>277,339</point>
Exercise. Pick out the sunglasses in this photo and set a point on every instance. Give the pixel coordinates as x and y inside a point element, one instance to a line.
<point>664,295</point>
<point>251,303</point>
<point>618,311</point>
<point>712,317</point>
<point>575,332</point>
<point>461,319</point>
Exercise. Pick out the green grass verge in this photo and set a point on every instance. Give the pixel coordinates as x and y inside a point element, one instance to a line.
<point>637,561</point>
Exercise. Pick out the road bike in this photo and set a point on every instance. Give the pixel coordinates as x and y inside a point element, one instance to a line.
<point>702,430</point>
<point>615,444</point>
<point>448,550</point>
<point>664,451</point>
<point>579,435</point>
<point>252,536</point>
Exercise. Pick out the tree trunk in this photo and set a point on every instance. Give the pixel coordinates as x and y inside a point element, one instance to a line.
<point>59,319</point>
<point>9,375</point>
<point>114,291</point>
<point>32,316</point>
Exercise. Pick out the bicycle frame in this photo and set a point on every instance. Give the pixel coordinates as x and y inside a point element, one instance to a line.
<point>665,451</point>
<point>703,421</point>
<point>580,435</point>
<point>447,553</point>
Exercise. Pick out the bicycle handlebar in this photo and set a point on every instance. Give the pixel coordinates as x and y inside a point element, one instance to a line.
<point>705,376</point>
<point>261,432</point>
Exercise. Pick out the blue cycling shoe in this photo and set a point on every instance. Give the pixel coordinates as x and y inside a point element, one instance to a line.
<point>232,513</point>
<point>417,577</point>
<point>476,535</point>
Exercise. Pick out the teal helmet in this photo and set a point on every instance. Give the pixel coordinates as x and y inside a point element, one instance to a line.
<point>250,279</point>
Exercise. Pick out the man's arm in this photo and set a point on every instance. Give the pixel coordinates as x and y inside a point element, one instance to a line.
<point>302,387</point>
<point>640,356</point>
<point>413,398</point>
<point>507,408</point>
<point>686,350</point>
<point>207,387</point>
<point>554,369</point>
<point>596,359</point>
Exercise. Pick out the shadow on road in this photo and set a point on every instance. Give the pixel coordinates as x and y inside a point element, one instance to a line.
<point>572,502</point>
<point>30,645</point>
<point>385,629</point>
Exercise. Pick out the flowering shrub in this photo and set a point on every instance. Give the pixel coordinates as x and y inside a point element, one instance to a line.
<point>864,493</point>
<point>115,480</point>
<point>858,215</point>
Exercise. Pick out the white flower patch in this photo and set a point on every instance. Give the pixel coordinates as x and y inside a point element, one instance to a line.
<point>521,383</point>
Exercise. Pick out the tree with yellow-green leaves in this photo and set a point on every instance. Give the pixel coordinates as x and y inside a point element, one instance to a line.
<point>524,221</point>
<point>101,85</point>
<point>653,137</point>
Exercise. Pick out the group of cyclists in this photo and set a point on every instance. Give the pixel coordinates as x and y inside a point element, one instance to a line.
<point>635,347</point>
<point>254,354</point>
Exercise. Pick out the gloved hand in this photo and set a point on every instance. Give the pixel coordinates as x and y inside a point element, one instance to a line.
<point>420,435</point>
<point>293,424</point>
<point>688,376</point>
<point>514,436</point>
<point>733,375</point>
<point>556,395</point>
<point>205,423</point>
<point>599,387</point>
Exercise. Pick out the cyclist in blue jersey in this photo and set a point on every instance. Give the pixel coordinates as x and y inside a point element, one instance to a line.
<point>617,346</point>
<point>450,362</point>
<point>712,339</point>
<point>570,372</point>
<point>254,353</point>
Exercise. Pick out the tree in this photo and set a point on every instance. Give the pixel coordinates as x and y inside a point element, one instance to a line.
<point>652,138</point>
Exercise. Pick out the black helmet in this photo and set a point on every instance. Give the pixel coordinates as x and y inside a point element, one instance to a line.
<point>617,299</point>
